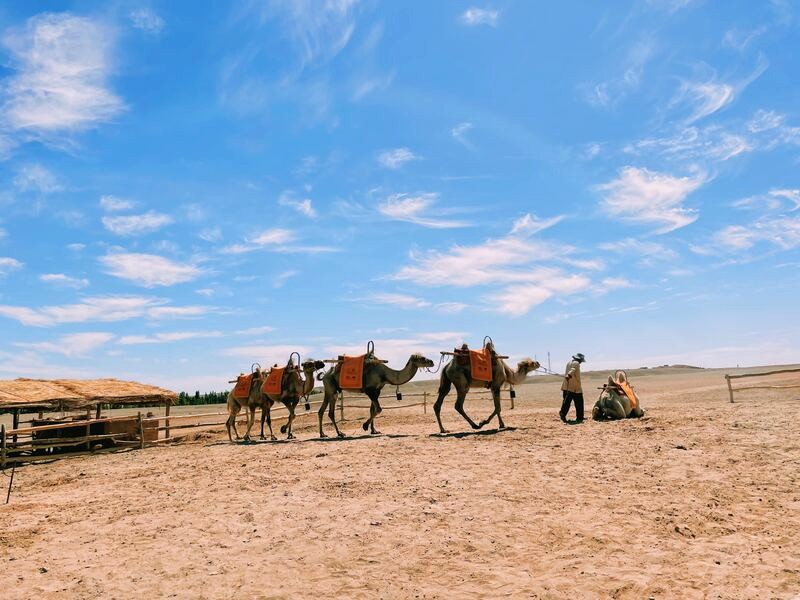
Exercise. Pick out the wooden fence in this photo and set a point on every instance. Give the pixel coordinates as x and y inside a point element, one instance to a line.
<point>25,444</point>
<point>732,389</point>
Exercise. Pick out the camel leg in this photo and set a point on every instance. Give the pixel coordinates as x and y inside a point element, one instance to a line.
<point>321,412</point>
<point>287,428</point>
<point>613,409</point>
<point>444,389</point>
<point>497,408</point>
<point>332,416</point>
<point>251,418</point>
<point>268,409</point>
<point>374,410</point>
<point>263,417</point>
<point>462,395</point>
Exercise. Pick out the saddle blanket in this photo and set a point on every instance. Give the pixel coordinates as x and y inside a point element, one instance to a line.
<point>480,364</point>
<point>351,374</point>
<point>272,385</point>
<point>242,387</point>
<point>629,393</point>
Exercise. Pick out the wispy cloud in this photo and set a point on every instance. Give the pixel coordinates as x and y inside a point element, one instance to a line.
<point>166,337</point>
<point>781,231</point>
<point>72,345</point>
<point>773,200</point>
<point>8,264</point>
<point>459,133</point>
<point>479,16</point>
<point>132,225</point>
<point>62,64</point>
<point>529,224</point>
<point>97,309</point>
<point>644,250</point>
<point>149,270</point>
<point>610,91</point>
<point>36,178</point>
<point>115,204</point>
<point>740,39</point>
<point>62,280</point>
<point>419,209</point>
<point>303,206</point>
<point>394,159</point>
<point>644,196</point>
<point>147,20</point>
<point>398,300</point>
<point>671,6</point>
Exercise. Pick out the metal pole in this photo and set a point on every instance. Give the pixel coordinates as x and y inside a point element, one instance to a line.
<point>548,362</point>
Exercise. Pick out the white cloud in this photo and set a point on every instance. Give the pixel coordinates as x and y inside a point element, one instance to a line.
<point>451,308</point>
<point>529,224</point>
<point>398,300</point>
<point>149,270</point>
<point>76,247</point>
<point>417,209</point>
<point>98,309</point>
<point>76,344</point>
<point>211,234</point>
<point>8,264</point>
<point>394,159</point>
<point>765,120</point>
<point>606,93</point>
<point>281,278</point>
<point>616,283</point>
<point>709,143</point>
<point>115,204</point>
<point>3,233</point>
<point>739,39</point>
<point>166,338</point>
<point>479,16</point>
<point>773,200</point>
<point>644,196</point>
<point>781,231</point>
<point>303,206</point>
<point>639,248</point>
<point>459,133</point>
<point>35,178</point>
<point>147,20</point>
<point>62,280</point>
<point>706,98</point>
<point>671,6</point>
<point>132,225</point>
<point>176,312</point>
<point>62,65</point>
<point>517,300</point>
<point>255,330</point>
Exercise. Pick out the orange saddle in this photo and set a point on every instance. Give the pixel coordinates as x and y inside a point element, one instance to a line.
<point>272,385</point>
<point>351,373</point>
<point>480,364</point>
<point>629,393</point>
<point>243,385</point>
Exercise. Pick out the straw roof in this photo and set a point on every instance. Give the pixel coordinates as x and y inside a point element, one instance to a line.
<point>78,393</point>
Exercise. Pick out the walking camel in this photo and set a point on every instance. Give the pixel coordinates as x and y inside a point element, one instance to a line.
<point>292,388</point>
<point>375,376</point>
<point>460,376</point>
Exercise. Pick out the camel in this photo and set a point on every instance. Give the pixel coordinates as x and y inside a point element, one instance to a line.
<point>614,403</point>
<point>293,388</point>
<point>376,375</point>
<point>460,376</point>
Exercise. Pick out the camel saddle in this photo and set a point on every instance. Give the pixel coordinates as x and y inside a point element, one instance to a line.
<point>273,384</point>
<point>351,372</point>
<point>243,385</point>
<point>480,361</point>
<point>628,391</point>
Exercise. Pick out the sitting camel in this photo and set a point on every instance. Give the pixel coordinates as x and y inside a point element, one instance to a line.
<point>292,388</point>
<point>460,375</point>
<point>376,375</point>
<point>614,402</point>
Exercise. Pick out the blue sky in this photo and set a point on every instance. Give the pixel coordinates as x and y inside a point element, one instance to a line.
<point>186,188</point>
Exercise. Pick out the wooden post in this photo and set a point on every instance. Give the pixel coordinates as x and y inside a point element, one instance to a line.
<point>730,389</point>
<point>97,411</point>
<point>425,403</point>
<point>166,421</point>
<point>141,431</point>
<point>15,424</point>
<point>88,428</point>
<point>341,406</point>
<point>2,446</point>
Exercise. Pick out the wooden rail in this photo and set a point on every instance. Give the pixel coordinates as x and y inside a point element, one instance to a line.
<point>732,389</point>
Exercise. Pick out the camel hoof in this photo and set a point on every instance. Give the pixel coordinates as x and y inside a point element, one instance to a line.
<point>261,437</point>
<point>272,438</point>
<point>375,432</point>
<point>341,435</point>
<point>365,426</point>
<point>323,435</point>
<point>290,436</point>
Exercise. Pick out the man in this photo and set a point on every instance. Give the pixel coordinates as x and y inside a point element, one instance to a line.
<point>572,390</point>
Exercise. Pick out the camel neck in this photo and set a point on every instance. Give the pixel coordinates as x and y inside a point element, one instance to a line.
<point>308,384</point>
<point>402,376</point>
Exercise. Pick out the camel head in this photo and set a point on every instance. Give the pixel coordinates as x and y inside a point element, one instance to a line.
<point>312,365</point>
<point>526,365</point>
<point>420,361</point>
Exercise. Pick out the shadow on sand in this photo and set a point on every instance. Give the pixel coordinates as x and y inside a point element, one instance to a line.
<point>463,434</point>
<point>347,438</point>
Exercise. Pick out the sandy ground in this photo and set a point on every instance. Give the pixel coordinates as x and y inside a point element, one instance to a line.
<point>700,499</point>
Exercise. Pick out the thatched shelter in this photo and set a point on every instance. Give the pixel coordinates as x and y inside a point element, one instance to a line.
<point>76,394</point>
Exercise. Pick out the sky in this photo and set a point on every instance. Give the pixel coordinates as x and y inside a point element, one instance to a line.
<point>187,188</point>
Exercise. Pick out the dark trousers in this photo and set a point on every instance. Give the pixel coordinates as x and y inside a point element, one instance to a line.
<point>569,398</point>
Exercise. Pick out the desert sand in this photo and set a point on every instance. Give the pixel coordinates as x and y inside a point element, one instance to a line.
<point>700,499</point>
